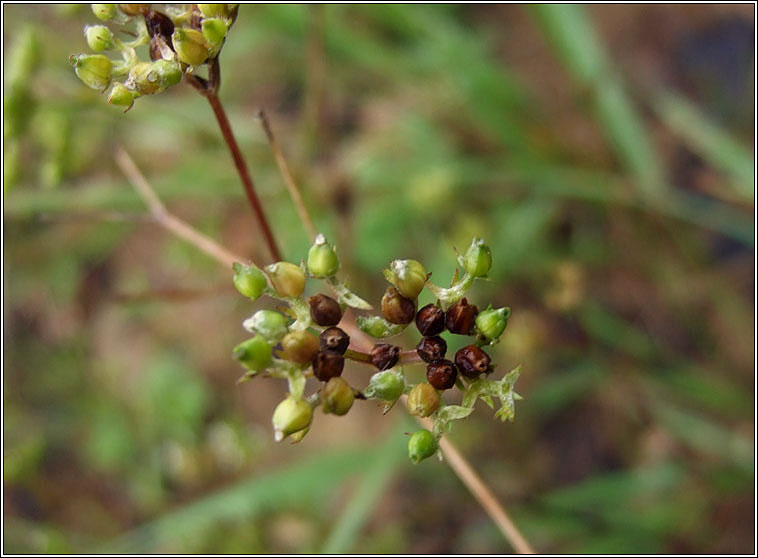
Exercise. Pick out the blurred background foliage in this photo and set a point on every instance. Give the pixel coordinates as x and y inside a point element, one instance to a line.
<point>606,154</point>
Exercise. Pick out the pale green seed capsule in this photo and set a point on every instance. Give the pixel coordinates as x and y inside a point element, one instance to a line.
<point>150,78</point>
<point>254,353</point>
<point>268,323</point>
<point>214,31</point>
<point>477,260</point>
<point>214,10</point>
<point>421,445</point>
<point>337,396</point>
<point>190,46</point>
<point>409,277</point>
<point>104,12</point>
<point>322,259</point>
<point>99,37</point>
<point>387,385</point>
<point>491,323</point>
<point>121,96</point>
<point>291,416</point>
<point>286,278</point>
<point>423,400</point>
<point>249,280</point>
<point>93,69</point>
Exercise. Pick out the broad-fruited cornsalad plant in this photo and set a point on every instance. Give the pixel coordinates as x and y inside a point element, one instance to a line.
<point>303,338</point>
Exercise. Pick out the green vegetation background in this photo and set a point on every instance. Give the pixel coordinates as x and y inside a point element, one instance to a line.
<point>604,152</point>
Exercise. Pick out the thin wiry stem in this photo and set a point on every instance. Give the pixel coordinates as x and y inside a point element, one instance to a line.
<point>247,181</point>
<point>167,220</point>
<point>297,199</point>
<point>209,89</point>
<point>477,487</point>
<point>460,466</point>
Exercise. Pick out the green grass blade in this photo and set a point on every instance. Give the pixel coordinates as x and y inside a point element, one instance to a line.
<point>312,480</point>
<point>367,495</point>
<point>709,141</point>
<point>580,50</point>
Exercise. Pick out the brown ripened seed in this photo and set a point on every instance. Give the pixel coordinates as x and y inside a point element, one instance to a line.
<point>430,320</point>
<point>396,308</point>
<point>159,24</point>
<point>460,317</point>
<point>441,374</point>
<point>472,361</point>
<point>431,348</point>
<point>328,364</point>
<point>384,356</point>
<point>325,311</point>
<point>334,339</point>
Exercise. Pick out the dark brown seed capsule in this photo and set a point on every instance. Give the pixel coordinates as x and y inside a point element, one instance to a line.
<point>431,348</point>
<point>460,317</point>
<point>334,339</point>
<point>327,364</point>
<point>396,308</point>
<point>472,361</point>
<point>159,24</point>
<point>384,356</point>
<point>430,320</point>
<point>325,311</point>
<point>441,374</point>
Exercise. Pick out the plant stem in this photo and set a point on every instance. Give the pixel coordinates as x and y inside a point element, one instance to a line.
<point>170,222</point>
<point>297,198</point>
<point>208,88</point>
<point>247,182</point>
<point>483,494</point>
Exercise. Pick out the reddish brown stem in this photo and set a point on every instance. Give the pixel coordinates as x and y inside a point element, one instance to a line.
<point>247,182</point>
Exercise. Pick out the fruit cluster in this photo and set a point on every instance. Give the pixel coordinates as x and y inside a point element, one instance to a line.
<point>305,340</point>
<point>180,40</point>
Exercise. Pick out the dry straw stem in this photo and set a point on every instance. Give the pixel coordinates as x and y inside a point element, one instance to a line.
<point>460,466</point>
<point>474,483</point>
<point>167,220</point>
<point>297,199</point>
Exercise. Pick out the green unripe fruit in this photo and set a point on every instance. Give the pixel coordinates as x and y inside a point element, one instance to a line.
<point>268,323</point>
<point>286,278</point>
<point>387,385</point>
<point>322,259</point>
<point>190,46</point>
<point>409,277</point>
<point>291,416</point>
<point>423,400</point>
<point>491,323</point>
<point>337,397</point>
<point>99,37</point>
<point>299,347</point>
<point>214,10</point>
<point>214,31</point>
<point>150,78</point>
<point>104,12</point>
<point>93,69</point>
<point>121,96</point>
<point>254,353</point>
<point>249,280</point>
<point>477,260</point>
<point>421,445</point>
